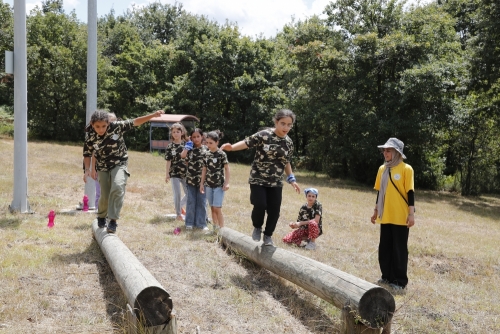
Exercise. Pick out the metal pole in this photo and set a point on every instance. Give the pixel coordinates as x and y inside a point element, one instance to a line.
<point>91,81</point>
<point>20,201</point>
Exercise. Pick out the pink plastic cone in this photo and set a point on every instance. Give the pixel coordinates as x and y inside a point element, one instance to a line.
<point>51,217</point>
<point>177,230</point>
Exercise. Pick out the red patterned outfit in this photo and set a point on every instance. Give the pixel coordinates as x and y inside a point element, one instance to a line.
<point>310,231</point>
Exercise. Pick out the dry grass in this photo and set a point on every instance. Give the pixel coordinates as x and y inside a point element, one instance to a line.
<point>57,280</point>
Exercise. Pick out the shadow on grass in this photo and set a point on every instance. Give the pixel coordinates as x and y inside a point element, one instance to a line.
<point>112,292</point>
<point>292,297</point>
<point>164,219</point>
<point>10,223</point>
<point>483,206</point>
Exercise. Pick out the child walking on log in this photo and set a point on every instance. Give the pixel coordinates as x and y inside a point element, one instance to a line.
<point>273,152</point>
<point>309,224</point>
<point>215,177</point>
<point>105,140</point>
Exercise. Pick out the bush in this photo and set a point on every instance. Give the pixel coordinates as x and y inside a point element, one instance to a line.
<point>6,121</point>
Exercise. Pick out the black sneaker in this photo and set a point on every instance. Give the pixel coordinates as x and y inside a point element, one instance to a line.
<point>112,226</point>
<point>101,222</point>
<point>383,281</point>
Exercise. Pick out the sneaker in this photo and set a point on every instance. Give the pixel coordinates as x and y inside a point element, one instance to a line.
<point>311,245</point>
<point>268,241</point>
<point>112,226</point>
<point>101,222</point>
<point>383,281</point>
<point>206,230</point>
<point>256,234</point>
<point>189,227</point>
<point>396,288</point>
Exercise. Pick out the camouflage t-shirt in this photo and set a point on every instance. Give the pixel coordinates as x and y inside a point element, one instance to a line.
<point>272,153</point>
<point>306,214</point>
<point>215,161</point>
<point>178,167</point>
<point>109,149</point>
<point>195,159</point>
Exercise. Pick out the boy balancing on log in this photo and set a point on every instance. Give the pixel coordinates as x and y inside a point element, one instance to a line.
<point>105,141</point>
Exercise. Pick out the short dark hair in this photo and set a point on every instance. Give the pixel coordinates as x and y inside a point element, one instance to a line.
<point>99,115</point>
<point>282,113</point>
<point>215,135</point>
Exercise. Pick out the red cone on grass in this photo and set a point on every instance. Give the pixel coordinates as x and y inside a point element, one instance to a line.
<point>51,217</point>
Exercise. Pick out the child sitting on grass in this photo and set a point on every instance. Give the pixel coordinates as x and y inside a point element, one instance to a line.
<point>309,224</point>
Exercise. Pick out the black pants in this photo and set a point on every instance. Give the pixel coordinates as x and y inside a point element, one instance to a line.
<point>265,199</point>
<point>393,253</point>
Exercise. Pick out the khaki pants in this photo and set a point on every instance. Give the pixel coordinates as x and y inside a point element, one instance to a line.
<point>113,185</point>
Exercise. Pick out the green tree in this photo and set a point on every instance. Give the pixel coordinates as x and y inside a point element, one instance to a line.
<point>56,75</point>
<point>6,43</point>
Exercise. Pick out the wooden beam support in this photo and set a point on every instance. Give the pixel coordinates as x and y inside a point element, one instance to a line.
<point>373,304</point>
<point>149,299</point>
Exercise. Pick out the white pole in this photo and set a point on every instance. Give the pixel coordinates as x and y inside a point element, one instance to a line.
<point>91,81</point>
<point>20,201</point>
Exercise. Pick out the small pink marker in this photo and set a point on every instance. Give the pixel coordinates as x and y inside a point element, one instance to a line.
<point>177,230</point>
<point>51,217</point>
<point>85,203</point>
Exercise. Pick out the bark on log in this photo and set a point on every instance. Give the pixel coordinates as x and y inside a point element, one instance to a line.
<point>372,303</point>
<point>150,300</point>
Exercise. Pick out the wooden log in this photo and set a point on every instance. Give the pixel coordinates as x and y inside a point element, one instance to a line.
<point>149,299</point>
<point>135,327</point>
<point>350,326</point>
<point>373,304</point>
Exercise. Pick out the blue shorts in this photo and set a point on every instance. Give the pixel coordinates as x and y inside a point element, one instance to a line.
<point>215,196</point>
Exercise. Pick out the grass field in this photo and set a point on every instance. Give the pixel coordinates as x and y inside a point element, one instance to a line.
<point>57,280</point>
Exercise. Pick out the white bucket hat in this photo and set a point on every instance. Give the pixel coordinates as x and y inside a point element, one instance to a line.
<point>396,144</point>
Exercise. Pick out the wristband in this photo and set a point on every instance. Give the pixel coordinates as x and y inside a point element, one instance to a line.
<point>291,178</point>
<point>188,146</point>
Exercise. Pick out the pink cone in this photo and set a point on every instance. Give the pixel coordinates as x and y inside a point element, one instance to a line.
<point>85,203</point>
<point>177,230</point>
<point>51,217</point>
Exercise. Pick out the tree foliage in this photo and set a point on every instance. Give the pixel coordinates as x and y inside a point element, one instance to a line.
<point>368,70</point>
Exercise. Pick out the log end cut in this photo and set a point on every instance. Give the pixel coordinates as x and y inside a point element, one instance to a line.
<point>153,305</point>
<point>377,307</point>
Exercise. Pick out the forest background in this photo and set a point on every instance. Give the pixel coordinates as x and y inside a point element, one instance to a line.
<point>427,74</point>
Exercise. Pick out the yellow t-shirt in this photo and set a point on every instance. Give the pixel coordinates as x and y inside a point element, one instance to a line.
<point>395,208</point>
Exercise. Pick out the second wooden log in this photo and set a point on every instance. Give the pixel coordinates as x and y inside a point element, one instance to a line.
<point>373,304</point>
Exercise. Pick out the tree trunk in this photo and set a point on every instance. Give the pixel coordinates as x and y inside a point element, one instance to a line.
<point>150,301</point>
<point>373,304</point>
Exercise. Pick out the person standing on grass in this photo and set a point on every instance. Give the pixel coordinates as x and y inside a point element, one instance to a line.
<point>194,152</point>
<point>274,150</point>
<point>394,211</point>
<point>215,177</point>
<point>105,140</point>
<point>176,166</point>
<point>309,225</point>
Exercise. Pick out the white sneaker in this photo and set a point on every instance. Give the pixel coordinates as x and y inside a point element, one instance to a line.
<point>311,245</point>
<point>206,230</point>
<point>189,227</point>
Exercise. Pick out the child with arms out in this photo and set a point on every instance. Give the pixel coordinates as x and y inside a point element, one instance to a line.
<point>309,224</point>
<point>176,166</point>
<point>105,140</point>
<point>215,176</point>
